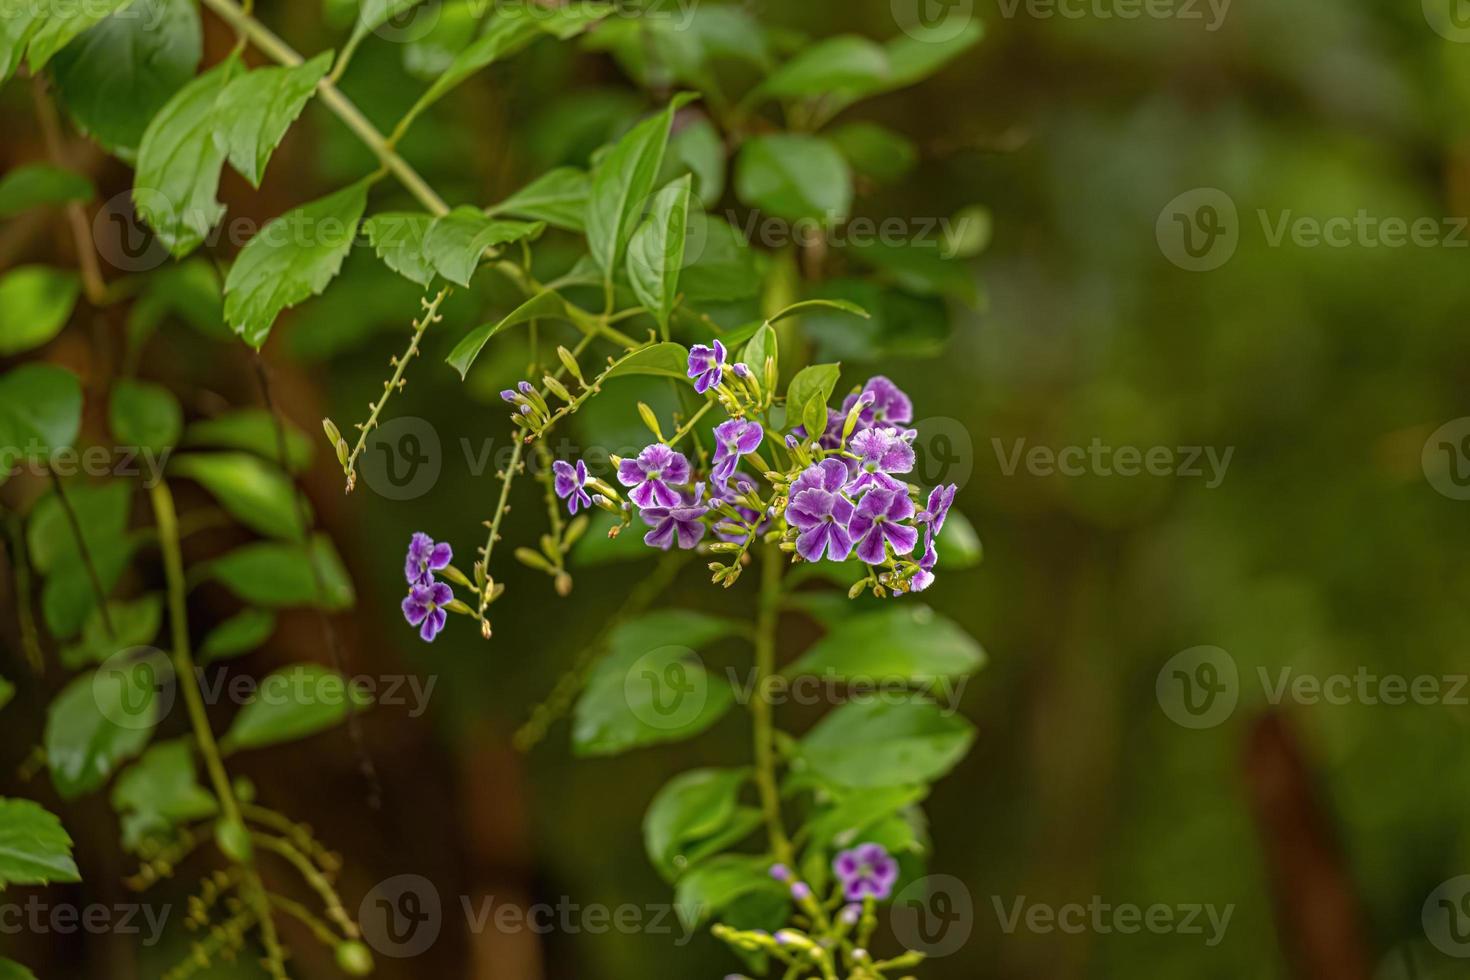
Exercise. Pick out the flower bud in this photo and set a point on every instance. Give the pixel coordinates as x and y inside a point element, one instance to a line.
<point>651,420</point>
<point>557,388</point>
<point>354,959</point>
<point>570,363</point>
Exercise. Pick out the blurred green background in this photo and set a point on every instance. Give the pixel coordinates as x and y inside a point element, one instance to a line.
<point>1325,548</point>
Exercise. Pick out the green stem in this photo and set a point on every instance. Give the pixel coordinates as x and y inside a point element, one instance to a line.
<point>687,427</point>
<point>277,50</point>
<point>765,666</point>
<point>85,553</point>
<point>500,509</point>
<point>30,636</point>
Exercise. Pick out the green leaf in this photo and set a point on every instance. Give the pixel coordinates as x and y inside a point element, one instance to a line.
<point>253,430</point>
<point>238,635</point>
<point>101,511</point>
<point>40,413</point>
<point>806,305</point>
<point>190,291</point>
<point>100,719</point>
<point>456,242</point>
<point>116,77</point>
<point>11,970</point>
<point>35,303</point>
<point>727,269</point>
<point>398,238</point>
<point>374,14</point>
<point>656,251</point>
<point>760,348</point>
<point>845,62</point>
<point>257,108</point>
<point>16,29</point>
<point>64,21</point>
<point>179,163</point>
<point>958,544</point>
<point>34,848</point>
<point>667,360</point>
<point>256,493</point>
<point>292,258</point>
<point>37,184</point>
<point>908,642</point>
<point>292,703</point>
<point>7,692</point>
<point>558,197</point>
<point>277,575</point>
<point>842,825</point>
<point>692,807</point>
<point>714,886</point>
<point>917,58</point>
<point>648,689</point>
<point>886,744</point>
<point>145,415</point>
<point>160,791</point>
<point>808,394</point>
<point>134,624</point>
<point>544,305</point>
<point>796,177</point>
<point>621,183</point>
<point>698,149</point>
<point>876,151</point>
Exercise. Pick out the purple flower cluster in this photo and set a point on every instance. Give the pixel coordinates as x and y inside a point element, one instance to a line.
<point>427,597</point>
<point>866,871</point>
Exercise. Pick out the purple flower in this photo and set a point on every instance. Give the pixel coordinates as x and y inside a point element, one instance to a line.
<point>940,499</point>
<point>651,473</point>
<point>780,872</point>
<point>828,475</point>
<point>881,452</point>
<point>731,493</point>
<point>822,518</point>
<point>801,891</point>
<point>425,557</point>
<point>831,436</point>
<point>733,439</point>
<point>924,577</point>
<point>681,521</point>
<point>423,608</point>
<point>866,871</point>
<point>569,482</point>
<point>890,405</point>
<point>706,365</point>
<point>877,521</point>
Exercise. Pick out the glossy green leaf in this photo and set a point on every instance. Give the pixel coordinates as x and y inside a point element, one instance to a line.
<point>101,510</point>
<point>99,720</point>
<point>145,415</point>
<point>256,493</point>
<point>666,360</point>
<point>35,303</point>
<point>257,108</point>
<point>726,268</point>
<point>844,62</point>
<point>621,183</point>
<point>656,251</point>
<point>135,623</point>
<point>545,305</point>
<point>374,14</point>
<point>958,543</point>
<point>34,848</point>
<point>795,177</point>
<point>692,807</point>
<point>292,258</point>
<point>762,347</point>
<point>252,430</point>
<point>16,30</point>
<point>11,970</point>
<point>456,242</point>
<point>558,197</point>
<point>717,884</point>
<point>160,791</point>
<point>33,185</point>
<point>292,703</point>
<point>238,635</point>
<point>902,642</point>
<point>398,238</point>
<point>808,394</point>
<point>698,149</point>
<point>886,744</point>
<point>116,77</point>
<point>843,824</point>
<point>875,151</point>
<point>807,305</point>
<point>40,412</point>
<point>64,21</point>
<point>277,575</point>
<point>179,163</point>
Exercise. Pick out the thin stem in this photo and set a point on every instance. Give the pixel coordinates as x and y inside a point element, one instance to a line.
<point>336,911</point>
<point>30,637</point>
<point>400,365</point>
<point>765,665</point>
<point>279,51</point>
<point>500,508</point>
<point>86,554</point>
<point>92,282</point>
<point>687,427</point>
